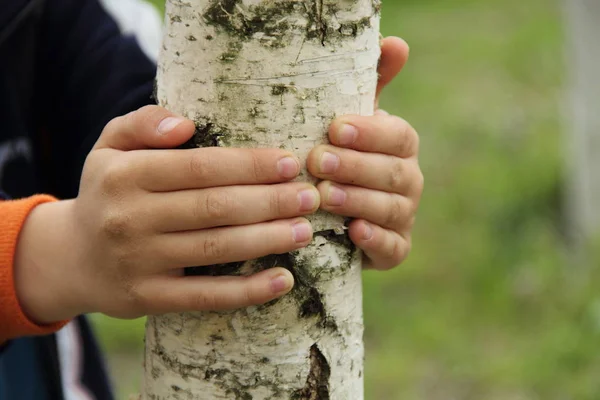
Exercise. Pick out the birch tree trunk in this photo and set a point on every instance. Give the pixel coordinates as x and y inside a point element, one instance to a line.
<point>269,73</point>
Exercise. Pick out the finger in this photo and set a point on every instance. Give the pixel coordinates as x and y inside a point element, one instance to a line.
<point>389,210</point>
<point>232,205</point>
<point>383,248</point>
<point>148,127</point>
<point>369,170</point>
<point>230,244</point>
<point>170,170</point>
<point>394,54</point>
<point>213,293</point>
<point>386,134</point>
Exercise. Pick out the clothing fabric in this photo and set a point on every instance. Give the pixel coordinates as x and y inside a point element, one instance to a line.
<point>66,69</point>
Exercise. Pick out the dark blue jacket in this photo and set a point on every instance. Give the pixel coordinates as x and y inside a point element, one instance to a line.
<point>65,71</point>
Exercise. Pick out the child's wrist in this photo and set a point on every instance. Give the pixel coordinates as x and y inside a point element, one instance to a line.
<point>45,282</point>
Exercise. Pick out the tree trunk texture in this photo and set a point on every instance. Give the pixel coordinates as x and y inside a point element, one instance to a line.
<point>268,73</point>
<point>583,157</point>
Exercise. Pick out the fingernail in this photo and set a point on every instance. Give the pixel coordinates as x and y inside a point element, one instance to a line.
<point>368,232</point>
<point>280,283</point>
<point>168,124</point>
<point>381,112</point>
<point>302,232</point>
<point>288,167</point>
<point>335,196</point>
<point>329,163</point>
<point>308,199</point>
<point>347,135</point>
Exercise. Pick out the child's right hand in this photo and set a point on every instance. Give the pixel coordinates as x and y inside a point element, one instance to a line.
<point>142,215</point>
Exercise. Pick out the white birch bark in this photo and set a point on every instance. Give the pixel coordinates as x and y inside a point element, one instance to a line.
<point>268,73</point>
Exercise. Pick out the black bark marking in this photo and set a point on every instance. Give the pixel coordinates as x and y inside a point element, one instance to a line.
<point>321,25</point>
<point>218,373</point>
<point>332,236</point>
<point>317,382</point>
<point>231,269</point>
<point>279,90</point>
<point>271,20</point>
<point>312,305</point>
<point>225,15</point>
<point>207,134</point>
<point>307,296</point>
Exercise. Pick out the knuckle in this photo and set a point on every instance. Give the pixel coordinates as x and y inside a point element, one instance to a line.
<point>276,203</point>
<point>117,174</point>
<point>258,170</point>
<point>397,212</point>
<point>197,164</point>
<point>406,136</point>
<point>117,225</point>
<point>129,119</point>
<point>114,124</point>
<point>247,296</point>
<point>401,250</point>
<point>397,175</point>
<point>217,205</point>
<point>395,256</point>
<point>414,180</point>
<point>214,248</point>
<point>204,301</point>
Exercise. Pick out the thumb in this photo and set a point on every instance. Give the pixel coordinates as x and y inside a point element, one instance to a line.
<point>394,54</point>
<point>151,127</point>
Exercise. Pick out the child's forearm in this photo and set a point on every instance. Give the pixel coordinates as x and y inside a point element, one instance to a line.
<point>15,319</point>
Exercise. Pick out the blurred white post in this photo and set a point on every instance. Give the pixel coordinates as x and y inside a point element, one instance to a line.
<point>583,130</point>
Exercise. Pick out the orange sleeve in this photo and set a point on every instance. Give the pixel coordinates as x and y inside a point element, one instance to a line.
<point>13,322</point>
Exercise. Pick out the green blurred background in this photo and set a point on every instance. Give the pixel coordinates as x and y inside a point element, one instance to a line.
<point>490,305</point>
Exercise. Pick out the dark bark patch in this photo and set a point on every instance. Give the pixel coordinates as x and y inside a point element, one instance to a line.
<point>218,373</point>
<point>312,305</point>
<point>317,382</point>
<point>240,395</point>
<point>207,134</point>
<point>231,269</point>
<point>216,338</point>
<point>342,240</point>
<point>233,49</point>
<point>279,90</point>
<point>273,22</point>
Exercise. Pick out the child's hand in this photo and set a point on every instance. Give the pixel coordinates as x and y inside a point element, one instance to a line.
<point>142,215</point>
<point>371,172</point>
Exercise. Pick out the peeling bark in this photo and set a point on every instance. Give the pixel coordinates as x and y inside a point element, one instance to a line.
<point>269,73</point>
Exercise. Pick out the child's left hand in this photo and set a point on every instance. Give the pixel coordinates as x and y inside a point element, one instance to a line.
<point>371,173</point>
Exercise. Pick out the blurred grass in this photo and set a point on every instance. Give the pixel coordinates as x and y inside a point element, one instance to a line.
<point>488,306</point>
